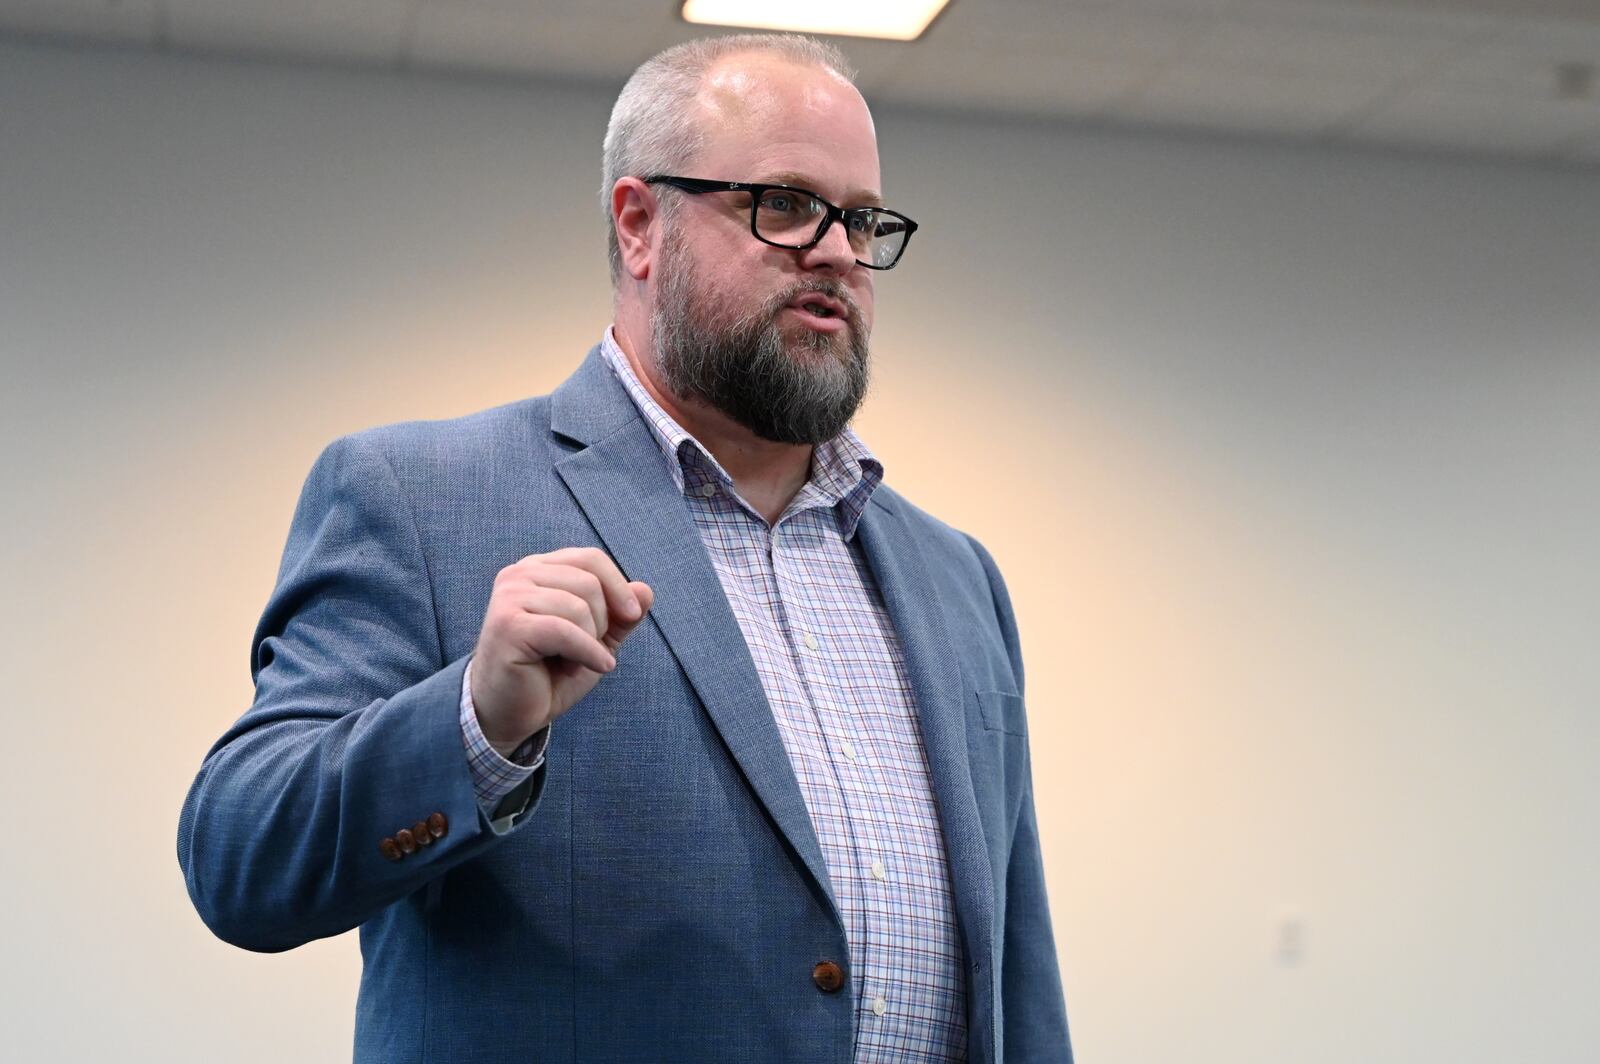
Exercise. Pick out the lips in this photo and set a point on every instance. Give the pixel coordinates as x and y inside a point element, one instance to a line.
<point>818,305</point>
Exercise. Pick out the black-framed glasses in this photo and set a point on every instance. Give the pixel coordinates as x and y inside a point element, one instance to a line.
<point>797,218</point>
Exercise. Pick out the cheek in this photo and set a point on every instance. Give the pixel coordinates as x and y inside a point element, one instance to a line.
<point>727,295</point>
<point>865,299</point>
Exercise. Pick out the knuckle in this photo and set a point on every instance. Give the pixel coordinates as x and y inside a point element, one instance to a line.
<point>517,570</point>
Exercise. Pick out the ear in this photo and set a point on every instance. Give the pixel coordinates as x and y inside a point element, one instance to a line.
<point>633,212</point>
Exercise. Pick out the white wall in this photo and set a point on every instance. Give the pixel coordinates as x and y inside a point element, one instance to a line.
<point>1291,458</point>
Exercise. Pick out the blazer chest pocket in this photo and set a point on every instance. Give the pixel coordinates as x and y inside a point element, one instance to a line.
<point>1002,711</point>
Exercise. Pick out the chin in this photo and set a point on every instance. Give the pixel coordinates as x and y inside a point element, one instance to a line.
<point>803,342</point>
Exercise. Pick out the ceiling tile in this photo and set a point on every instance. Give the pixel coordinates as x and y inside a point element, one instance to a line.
<point>1023,16</point>
<point>1506,9</point>
<point>112,21</point>
<point>1204,8</point>
<point>1070,87</point>
<point>1521,62</point>
<point>602,41</point>
<point>1443,18</point>
<point>367,30</point>
<point>1480,122</point>
<point>603,44</point>
<point>1249,102</point>
<point>992,33</point>
<point>1292,49</point>
<point>564,12</point>
<point>1558,36</point>
<point>1467,73</point>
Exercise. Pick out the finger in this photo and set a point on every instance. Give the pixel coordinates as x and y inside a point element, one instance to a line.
<point>575,581</point>
<point>598,562</point>
<point>557,603</point>
<point>542,636</point>
<point>645,597</point>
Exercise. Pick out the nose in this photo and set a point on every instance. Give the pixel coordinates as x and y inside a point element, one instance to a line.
<point>832,252</point>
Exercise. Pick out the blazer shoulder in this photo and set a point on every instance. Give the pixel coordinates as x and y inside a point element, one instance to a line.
<point>485,431</point>
<point>962,564</point>
<point>437,454</point>
<point>951,543</point>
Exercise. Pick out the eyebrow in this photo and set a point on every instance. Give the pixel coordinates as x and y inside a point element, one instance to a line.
<point>789,177</point>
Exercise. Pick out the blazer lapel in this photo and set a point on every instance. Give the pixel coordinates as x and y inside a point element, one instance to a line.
<point>628,495</point>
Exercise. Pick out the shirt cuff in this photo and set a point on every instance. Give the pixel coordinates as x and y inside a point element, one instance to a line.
<point>494,776</point>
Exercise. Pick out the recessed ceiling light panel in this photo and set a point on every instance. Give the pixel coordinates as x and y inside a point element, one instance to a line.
<point>894,20</point>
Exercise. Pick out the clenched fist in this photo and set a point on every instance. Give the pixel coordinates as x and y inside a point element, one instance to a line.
<point>553,625</point>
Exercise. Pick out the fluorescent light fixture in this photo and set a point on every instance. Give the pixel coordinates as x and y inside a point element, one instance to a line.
<point>895,20</point>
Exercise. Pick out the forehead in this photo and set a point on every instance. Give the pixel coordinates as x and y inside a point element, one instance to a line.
<point>768,119</point>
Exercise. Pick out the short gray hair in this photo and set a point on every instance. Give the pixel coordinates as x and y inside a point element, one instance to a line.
<point>653,129</point>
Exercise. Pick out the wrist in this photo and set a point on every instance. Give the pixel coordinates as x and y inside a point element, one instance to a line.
<point>503,747</point>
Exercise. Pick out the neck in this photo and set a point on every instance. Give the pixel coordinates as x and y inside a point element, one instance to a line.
<point>767,475</point>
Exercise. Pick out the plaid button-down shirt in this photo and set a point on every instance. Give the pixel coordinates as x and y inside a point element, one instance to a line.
<point>834,675</point>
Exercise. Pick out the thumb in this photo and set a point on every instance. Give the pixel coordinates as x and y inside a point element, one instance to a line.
<point>645,596</point>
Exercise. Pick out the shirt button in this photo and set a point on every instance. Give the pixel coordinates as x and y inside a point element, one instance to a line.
<point>879,872</point>
<point>847,750</point>
<point>811,641</point>
<point>879,1006</point>
<point>708,490</point>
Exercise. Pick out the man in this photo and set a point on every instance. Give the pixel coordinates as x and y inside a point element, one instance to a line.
<point>642,722</point>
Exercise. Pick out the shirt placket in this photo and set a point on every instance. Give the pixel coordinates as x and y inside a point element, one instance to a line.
<point>860,855</point>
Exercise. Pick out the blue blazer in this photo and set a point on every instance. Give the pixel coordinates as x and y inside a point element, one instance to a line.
<point>662,895</point>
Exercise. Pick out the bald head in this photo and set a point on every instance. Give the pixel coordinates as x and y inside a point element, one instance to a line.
<point>748,86</point>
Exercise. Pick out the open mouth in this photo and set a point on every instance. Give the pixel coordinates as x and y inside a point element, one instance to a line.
<point>819,306</point>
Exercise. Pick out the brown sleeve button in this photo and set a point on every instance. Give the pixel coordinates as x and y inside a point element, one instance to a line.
<point>828,976</point>
<point>420,832</point>
<point>438,825</point>
<point>390,849</point>
<point>407,841</point>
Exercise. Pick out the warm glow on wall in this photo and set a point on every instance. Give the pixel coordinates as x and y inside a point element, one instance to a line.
<point>895,20</point>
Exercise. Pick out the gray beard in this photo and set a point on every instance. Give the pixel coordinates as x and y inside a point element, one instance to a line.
<point>744,368</point>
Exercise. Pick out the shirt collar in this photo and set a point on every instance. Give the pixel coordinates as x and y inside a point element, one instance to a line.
<point>844,473</point>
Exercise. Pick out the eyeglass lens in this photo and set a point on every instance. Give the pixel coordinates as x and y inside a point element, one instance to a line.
<point>792,218</point>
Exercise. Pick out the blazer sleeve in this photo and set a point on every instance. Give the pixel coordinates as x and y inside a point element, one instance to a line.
<point>353,735</point>
<point>1033,1005</point>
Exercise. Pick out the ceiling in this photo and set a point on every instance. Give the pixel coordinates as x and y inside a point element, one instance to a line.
<point>1501,77</point>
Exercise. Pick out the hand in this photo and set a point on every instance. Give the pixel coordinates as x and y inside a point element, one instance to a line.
<point>553,626</point>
